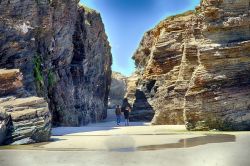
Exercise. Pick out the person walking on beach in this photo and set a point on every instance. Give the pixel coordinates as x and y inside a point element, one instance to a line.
<point>118,114</point>
<point>126,109</point>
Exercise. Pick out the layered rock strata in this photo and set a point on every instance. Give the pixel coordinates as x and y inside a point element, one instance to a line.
<point>117,90</point>
<point>195,67</point>
<point>22,119</point>
<point>63,53</point>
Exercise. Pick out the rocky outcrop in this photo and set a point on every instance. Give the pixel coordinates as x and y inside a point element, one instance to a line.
<point>195,67</point>
<point>117,90</point>
<point>126,87</point>
<point>141,109</point>
<point>63,53</point>
<point>22,119</point>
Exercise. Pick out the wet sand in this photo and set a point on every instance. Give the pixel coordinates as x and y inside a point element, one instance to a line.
<point>176,149</point>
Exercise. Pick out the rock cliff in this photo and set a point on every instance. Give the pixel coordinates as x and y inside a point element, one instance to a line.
<point>117,90</point>
<point>195,67</point>
<point>22,119</point>
<point>63,53</point>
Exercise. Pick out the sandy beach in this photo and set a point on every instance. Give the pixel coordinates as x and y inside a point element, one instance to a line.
<point>106,144</point>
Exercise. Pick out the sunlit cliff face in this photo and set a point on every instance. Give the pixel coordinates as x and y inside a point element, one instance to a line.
<point>195,67</point>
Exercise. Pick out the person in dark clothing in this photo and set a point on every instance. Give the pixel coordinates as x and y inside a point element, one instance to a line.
<point>126,109</point>
<point>118,114</point>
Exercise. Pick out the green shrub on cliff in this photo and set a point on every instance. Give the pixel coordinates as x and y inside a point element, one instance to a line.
<point>38,72</point>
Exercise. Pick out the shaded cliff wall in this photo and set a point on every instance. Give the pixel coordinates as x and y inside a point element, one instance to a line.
<point>198,65</point>
<point>62,51</point>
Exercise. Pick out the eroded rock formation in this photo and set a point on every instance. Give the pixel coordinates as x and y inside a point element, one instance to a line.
<point>195,67</point>
<point>141,109</point>
<point>63,53</point>
<point>22,119</point>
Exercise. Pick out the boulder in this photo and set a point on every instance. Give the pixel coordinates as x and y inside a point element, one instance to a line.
<point>23,120</point>
<point>29,120</point>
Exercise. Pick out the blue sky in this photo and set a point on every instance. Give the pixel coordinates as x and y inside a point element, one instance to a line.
<point>127,20</point>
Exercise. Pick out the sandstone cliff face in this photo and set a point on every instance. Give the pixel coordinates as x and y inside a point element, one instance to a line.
<point>62,51</point>
<point>117,90</point>
<point>22,119</point>
<point>195,67</point>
